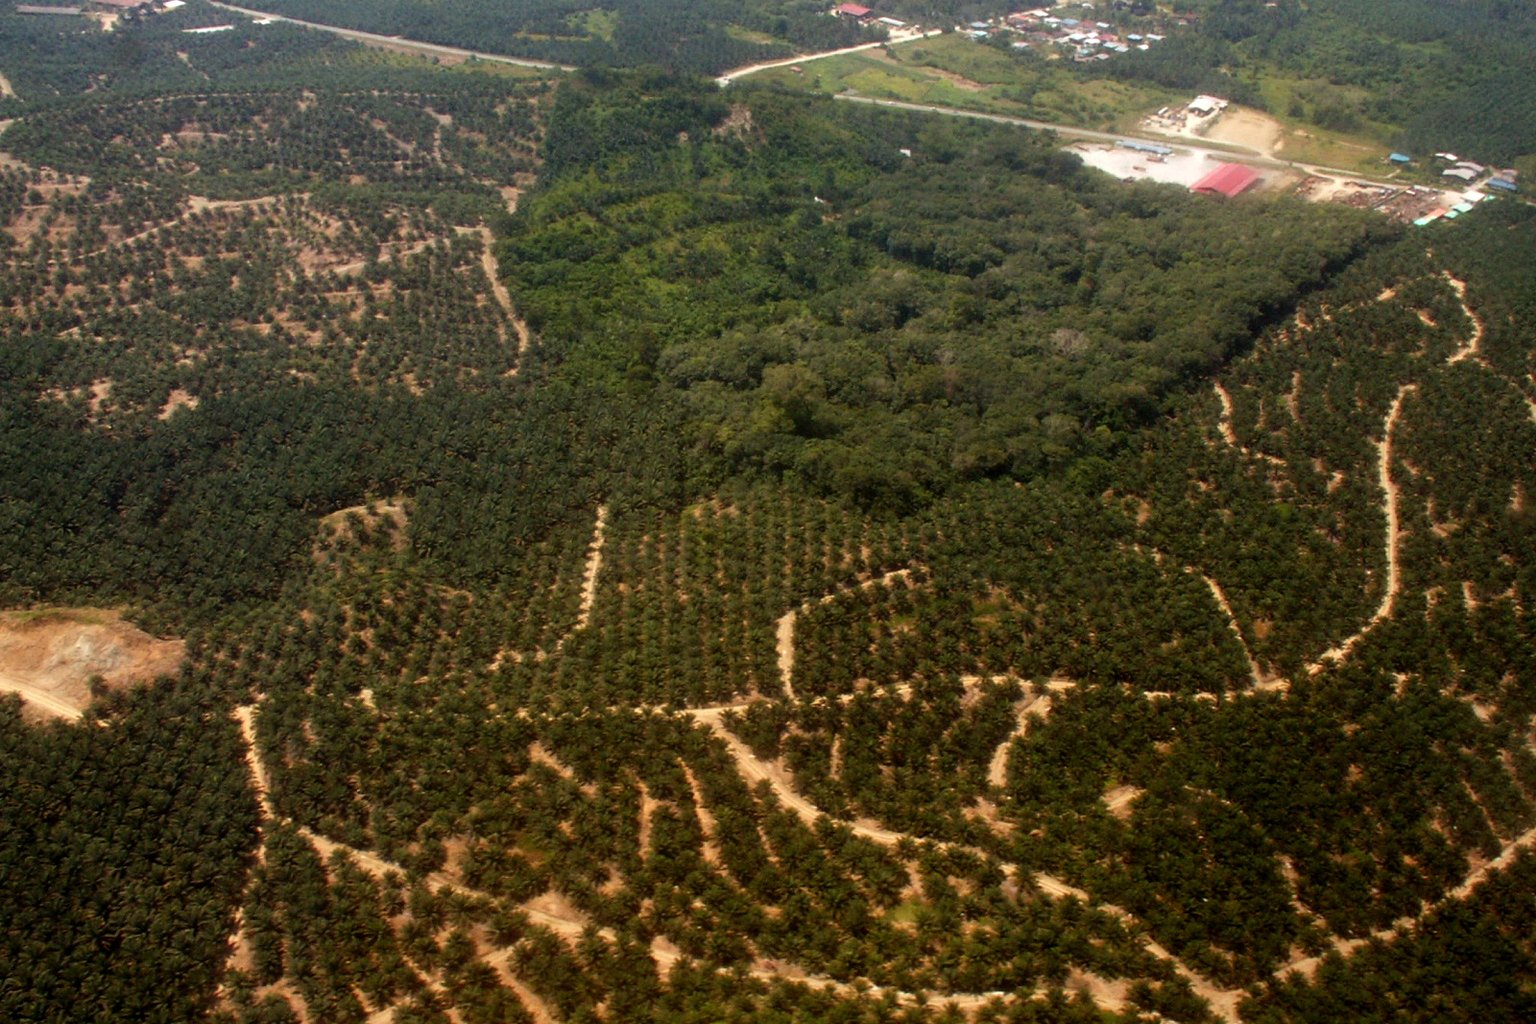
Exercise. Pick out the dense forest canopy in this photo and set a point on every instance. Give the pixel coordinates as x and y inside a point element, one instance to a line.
<point>879,303</point>
<point>648,553</point>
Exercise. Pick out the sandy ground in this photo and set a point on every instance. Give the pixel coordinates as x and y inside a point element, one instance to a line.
<point>49,656</point>
<point>589,575</point>
<point>1224,425</point>
<point>1237,126</point>
<point>1118,800</point>
<point>707,824</point>
<point>337,526</point>
<point>1243,126</point>
<point>6,92</point>
<point>1220,596</point>
<point>178,399</point>
<point>1030,705</point>
<point>554,911</point>
<point>1473,349</point>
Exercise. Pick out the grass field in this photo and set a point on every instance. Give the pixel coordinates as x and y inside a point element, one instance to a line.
<point>1360,149</point>
<point>954,71</point>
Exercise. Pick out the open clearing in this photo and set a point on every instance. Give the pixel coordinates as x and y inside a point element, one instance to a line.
<point>1243,126</point>
<point>1178,168</point>
<point>49,656</point>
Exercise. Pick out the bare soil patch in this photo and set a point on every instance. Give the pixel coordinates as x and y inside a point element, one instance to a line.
<point>344,525</point>
<point>1244,127</point>
<point>178,399</point>
<point>49,656</point>
<point>1118,800</point>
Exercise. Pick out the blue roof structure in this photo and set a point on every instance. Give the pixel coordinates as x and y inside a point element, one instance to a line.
<point>1144,147</point>
<point>1400,158</point>
<point>1503,185</point>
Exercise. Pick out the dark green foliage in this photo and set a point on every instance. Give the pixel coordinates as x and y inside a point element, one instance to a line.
<point>701,36</point>
<point>122,858</point>
<point>998,738</point>
<point>1468,962</point>
<point>880,326</point>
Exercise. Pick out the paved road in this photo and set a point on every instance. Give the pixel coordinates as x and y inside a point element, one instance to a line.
<point>1234,153</point>
<point>373,38</point>
<point>896,37</point>
<point>1238,152</point>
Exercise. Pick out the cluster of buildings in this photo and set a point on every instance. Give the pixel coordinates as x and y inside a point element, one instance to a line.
<point>865,16</point>
<point>1479,181</point>
<point>1054,29</point>
<point>1080,38</point>
<point>1506,180</point>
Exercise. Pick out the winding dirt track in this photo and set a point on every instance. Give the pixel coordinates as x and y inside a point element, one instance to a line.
<point>572,927</point>
<point>784,631</point>
<point>499,291</point>
<point>754,769</point>
<point>589,574</point>
<point>1393,537</point>
<point>1034,702</point>
<point>1224,1002</point>
<point>1229,435</point>
<point>1220,596</point>
<point>1473,349</point>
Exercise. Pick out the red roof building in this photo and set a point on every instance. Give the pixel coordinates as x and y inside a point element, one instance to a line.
<point>1226,180</point>
<point>854,11</point>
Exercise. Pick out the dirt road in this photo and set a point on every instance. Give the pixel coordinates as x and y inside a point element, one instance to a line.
<point>499,290</point>
<point>40,698</point>
<point>784,632</point>
<point>1220,596</point>
<point>589,574</point>
<point>1473,348</point>
<point>1229,435</point>
<point>1393,537</point>
<point>896,37</point>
